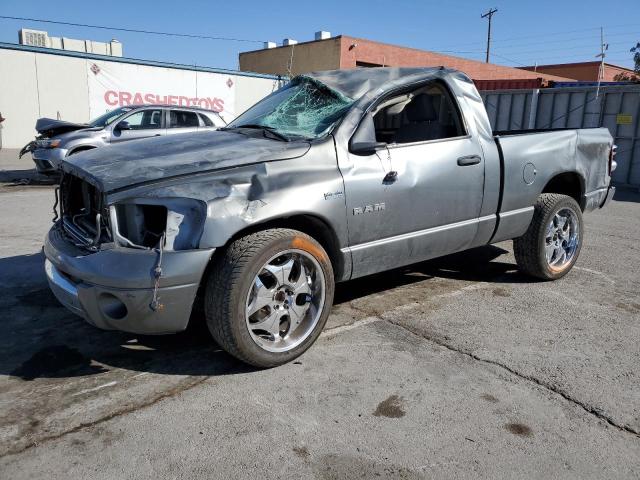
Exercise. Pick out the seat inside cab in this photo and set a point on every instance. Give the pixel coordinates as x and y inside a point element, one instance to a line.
<point>424,114</point>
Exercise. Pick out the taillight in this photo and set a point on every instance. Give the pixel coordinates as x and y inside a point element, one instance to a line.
<point>612,162</point>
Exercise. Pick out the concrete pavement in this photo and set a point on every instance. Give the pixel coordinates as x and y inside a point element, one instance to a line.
<point>455,368</point>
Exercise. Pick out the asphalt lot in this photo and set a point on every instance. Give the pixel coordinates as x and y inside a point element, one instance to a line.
<point>454,368</point>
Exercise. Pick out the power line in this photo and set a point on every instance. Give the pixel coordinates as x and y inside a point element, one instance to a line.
<point>564,40</point>
<point>509,50</point>
<point>597,29</point>
<point>543,60</point>
<point>553,34</point>
<point>458,51</point>
<point>575,47</point>
<point>590,55</point>
<point>132,30</point>
<point>476,53</point>
<point>473,52</point>
<point>509,59</point>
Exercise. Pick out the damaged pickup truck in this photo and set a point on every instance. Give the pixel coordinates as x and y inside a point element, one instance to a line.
<point>337,175</point>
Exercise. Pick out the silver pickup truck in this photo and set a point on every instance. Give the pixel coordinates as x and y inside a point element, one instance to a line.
<point>337,175</point>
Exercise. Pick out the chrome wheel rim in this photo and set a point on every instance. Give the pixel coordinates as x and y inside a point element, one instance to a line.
<point>285,301</point>
<point>562,239</point>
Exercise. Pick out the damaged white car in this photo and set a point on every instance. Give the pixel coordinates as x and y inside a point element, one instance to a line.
<point>58,139</point>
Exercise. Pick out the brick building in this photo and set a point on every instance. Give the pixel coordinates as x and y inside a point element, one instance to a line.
<point>350,52</point>
<point>584,71</point>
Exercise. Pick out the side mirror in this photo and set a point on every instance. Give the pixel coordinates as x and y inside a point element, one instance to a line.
<point>366,148</point>
<point>123,125</point>
<point>364,140</point>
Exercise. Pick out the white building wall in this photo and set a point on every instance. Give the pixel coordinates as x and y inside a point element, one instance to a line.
<point>62,89</point>
<point>35,84</point>
<point>19,102</point>
<point>249,91</point>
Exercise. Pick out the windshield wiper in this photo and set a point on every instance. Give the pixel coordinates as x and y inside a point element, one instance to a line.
<point>265,128</point>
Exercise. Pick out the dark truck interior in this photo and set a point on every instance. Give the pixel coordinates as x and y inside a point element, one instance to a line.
<point>423,114</point>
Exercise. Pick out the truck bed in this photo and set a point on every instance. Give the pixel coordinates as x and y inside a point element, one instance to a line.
<point>528,157</point>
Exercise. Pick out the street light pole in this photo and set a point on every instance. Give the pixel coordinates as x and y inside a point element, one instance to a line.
<point>488,15</point>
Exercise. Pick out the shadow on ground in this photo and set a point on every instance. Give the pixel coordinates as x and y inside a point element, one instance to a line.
<point>475,265</point>
<point>40,339</point>
<point>19,178</point>
<point>626,194</point>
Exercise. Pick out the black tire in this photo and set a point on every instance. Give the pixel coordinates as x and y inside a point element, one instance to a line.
<point>529,249</point>
<point>228,284</point>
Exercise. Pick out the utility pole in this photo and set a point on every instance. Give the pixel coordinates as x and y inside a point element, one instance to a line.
<point>603,48</point>
<point>488,15</point>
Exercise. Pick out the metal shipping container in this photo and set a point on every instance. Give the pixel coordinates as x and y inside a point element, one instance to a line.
<point>614,107</point>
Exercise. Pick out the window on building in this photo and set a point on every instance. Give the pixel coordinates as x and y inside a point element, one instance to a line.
<point>367,64</point>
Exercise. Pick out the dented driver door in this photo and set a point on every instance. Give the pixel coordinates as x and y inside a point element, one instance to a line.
<point>408,203</point>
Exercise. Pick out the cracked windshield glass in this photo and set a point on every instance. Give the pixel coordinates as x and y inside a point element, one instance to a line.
<point>303,108</point>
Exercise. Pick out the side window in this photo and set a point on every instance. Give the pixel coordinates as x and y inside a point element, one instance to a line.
<point>145,119</point>
<point>427,113</point>
<point>206,121</point>
<point>183,119</point>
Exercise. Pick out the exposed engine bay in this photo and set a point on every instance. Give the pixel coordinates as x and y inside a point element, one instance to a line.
<point>84,218</point>
<point>172,223</point>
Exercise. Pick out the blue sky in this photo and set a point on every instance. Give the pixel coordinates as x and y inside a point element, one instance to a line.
<point>524,32</point>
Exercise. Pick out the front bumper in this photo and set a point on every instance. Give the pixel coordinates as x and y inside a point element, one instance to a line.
<point>48,160</point>
<point>112,289</point>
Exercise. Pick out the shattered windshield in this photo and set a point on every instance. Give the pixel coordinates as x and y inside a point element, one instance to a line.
<point>107,118</point>
<point>303,108</point>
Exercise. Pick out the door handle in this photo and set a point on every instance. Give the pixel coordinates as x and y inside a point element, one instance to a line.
<point>469,160</point>
<point>390,177</point>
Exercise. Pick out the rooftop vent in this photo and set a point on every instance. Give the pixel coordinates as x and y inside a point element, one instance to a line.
<point>269,45</point>
<point>35,38</point>
<point>288,42</point>
<point>322,35</point>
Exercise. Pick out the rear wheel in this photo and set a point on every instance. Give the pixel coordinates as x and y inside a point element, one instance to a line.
<point>551,245</point>
<point>268,296</point>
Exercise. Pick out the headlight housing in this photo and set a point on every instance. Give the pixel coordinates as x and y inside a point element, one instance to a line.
<point>141,223</point>
<point>48,143</point>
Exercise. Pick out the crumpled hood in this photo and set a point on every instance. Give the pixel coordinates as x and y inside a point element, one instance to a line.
<point>141,161</point>
<point>51,126</point>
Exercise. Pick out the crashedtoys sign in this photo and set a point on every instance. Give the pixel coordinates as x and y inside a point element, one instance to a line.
<point>112,85</point>
<point>121,98</point>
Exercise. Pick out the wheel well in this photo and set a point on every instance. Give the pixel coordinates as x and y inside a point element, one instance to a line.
<point>312,226</point>
<point>309,224</point>
<point>568,183</point>
<point>80,149</point>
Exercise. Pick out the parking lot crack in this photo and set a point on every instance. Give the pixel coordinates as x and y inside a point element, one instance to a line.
<point>177,390</point>
<point>591,410</point>
<point>367,312</point>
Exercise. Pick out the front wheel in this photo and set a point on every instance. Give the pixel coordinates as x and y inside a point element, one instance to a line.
<point>268,296</point>
<point>551,245</point>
